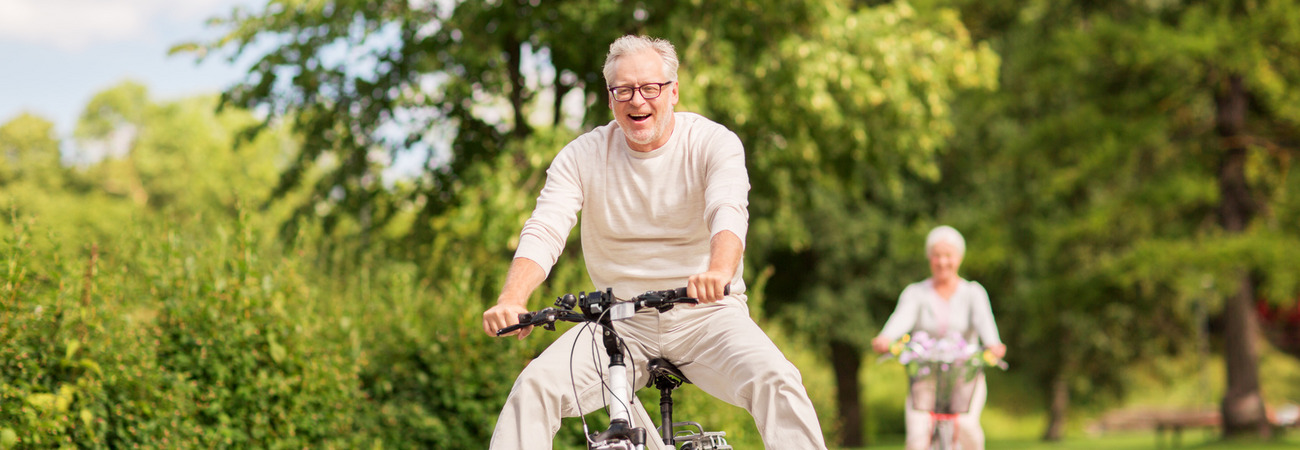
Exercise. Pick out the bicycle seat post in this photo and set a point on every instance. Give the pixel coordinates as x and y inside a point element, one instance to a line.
<point>665,377</point>
<point>666,413</point>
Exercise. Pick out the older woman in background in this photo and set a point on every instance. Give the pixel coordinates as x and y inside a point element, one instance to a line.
<point>940,305</point>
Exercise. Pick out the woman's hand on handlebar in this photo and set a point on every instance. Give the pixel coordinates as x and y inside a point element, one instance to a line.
<point>708,287</point>
<point>999,350</point>
<point>503,315</point>
<point>881,344</point>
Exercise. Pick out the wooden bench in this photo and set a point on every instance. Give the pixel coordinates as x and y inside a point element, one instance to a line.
<point>1162,422</point>
<point>1173,421</point>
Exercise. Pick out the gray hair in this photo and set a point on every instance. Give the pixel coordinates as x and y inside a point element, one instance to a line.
<point>944,233</point>
<point>630,45</point>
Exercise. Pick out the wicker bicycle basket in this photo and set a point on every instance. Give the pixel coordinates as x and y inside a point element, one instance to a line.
<point>943,388</point>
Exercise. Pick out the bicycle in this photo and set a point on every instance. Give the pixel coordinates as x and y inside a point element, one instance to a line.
<point>599,308</point>
<point>945,392</point>
<point>942,376</point>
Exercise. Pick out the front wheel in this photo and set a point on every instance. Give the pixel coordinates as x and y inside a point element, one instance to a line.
<point>944,436</point>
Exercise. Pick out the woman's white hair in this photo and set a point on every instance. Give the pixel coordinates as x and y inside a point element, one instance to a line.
<point>944,233</point>
<point>630,45</point>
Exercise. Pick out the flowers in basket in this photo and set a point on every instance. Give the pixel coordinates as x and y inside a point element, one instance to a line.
<point>921,353</point>
<point>941,372</point>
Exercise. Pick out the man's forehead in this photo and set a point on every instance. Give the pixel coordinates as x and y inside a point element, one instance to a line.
<point>638,64</point>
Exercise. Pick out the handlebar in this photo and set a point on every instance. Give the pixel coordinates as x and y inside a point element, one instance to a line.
<point>593,305</point>
<point>545,318</point>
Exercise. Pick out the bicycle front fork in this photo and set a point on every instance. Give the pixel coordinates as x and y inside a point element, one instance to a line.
<point>621,435</point>
<point>943,435</point>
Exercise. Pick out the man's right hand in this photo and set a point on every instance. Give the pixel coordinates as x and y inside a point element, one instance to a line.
<point>503,315</point>
<point>524,276</point>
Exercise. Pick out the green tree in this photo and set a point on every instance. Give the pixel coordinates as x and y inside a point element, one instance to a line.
<point>175,155</point>
<point>1251,79</point>
<point>1136,146</point>
<point>34,182</point>
<point>29,153</point>
<point>446,84</point>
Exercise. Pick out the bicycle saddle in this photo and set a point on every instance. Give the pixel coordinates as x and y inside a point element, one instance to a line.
<point>665,375</point>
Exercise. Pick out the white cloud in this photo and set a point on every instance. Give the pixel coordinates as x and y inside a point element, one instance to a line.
<point>77,24</point>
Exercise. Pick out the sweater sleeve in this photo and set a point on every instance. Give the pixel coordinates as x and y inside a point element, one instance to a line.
<point>982,316</point>
<point>903,320</point>
<point>545,233</point>
<point>726,195</point>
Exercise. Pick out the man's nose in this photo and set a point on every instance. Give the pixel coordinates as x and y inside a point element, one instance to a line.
<point>637,98</point>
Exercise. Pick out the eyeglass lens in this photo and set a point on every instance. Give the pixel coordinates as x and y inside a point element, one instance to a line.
<point>648,91</point>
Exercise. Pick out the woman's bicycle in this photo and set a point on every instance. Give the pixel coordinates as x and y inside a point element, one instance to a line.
<point>942,376</point>
<point>600,309</point>
<point>945,392</point>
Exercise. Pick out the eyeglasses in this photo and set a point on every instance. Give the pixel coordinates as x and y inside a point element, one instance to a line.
<point>648,91</point>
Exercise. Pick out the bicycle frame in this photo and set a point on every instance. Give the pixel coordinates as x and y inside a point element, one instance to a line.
<point>600,308</point>
<point>951,387</point>
<point>943,437</point>
<point>621,435</point>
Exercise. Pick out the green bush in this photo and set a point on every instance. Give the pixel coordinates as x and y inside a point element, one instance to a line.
<point>231,324</point>
<point>43,370</point>
<point>179,341</point>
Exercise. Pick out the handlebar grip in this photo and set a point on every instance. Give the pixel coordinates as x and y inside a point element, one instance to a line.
<point>508,329</point>
<point>681,291</point>
<point>525,320</point>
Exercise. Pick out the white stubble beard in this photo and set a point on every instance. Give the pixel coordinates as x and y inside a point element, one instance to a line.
<point>648,136</point>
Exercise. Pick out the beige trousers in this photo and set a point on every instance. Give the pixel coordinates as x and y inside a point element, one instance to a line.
<point>969,434</point>
<point>717,346</point>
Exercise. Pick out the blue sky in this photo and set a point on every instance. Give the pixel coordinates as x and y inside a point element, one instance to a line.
<point>57,54</point>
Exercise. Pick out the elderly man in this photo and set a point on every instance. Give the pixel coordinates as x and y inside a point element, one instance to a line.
<point>664,201</point>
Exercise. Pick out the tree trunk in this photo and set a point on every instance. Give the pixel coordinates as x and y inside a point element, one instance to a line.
<point>1060,405</point>
<point>846,359</point>
<point>514,62</point>
<point>561,89</point>
<point>1243,406</point>
<point>1059,390</point>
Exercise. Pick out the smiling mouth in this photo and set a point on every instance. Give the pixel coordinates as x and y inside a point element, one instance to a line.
<point>638,117</point>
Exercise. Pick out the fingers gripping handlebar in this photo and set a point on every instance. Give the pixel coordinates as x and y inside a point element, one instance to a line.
<point>592,305</point>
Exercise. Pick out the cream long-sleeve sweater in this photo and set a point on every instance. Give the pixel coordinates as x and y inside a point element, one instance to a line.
<point>647,217</point>
<point>967,313</point>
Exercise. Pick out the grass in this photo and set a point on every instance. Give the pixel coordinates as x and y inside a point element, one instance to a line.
<point>1195,440</point>
<point>1015,417</point>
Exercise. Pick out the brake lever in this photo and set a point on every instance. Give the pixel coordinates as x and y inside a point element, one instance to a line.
<point>669,304</point>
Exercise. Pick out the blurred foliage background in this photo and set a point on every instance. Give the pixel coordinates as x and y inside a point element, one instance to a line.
<point>303,260</point>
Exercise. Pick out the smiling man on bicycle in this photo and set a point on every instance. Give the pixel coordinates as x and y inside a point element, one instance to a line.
<point>664,201</point>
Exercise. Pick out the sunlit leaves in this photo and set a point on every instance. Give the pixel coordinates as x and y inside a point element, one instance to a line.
<point>29,153</point>
<point>174,154</point>
<point>849,116</point>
